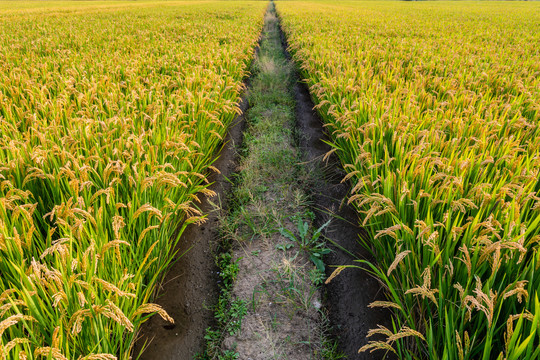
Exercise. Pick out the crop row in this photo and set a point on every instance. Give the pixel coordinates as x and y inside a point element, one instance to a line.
<point>110,117</point>
<point>434,112</point>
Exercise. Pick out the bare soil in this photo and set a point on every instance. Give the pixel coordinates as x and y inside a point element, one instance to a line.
<point>190,288</point>
<point>283,319</point>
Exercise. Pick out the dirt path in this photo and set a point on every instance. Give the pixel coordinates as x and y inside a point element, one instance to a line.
<point>277,285</point>
<point>190,288</point>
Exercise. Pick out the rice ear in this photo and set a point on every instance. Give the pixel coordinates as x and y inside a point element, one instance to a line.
<point>399,257</point>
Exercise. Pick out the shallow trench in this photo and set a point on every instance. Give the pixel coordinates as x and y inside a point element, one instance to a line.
<point>349,294</point>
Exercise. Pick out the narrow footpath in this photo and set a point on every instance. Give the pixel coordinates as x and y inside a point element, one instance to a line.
<point>276,294</point>
<point>286,220</point>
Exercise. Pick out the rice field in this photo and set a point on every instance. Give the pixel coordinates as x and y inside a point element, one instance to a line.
<point>111,114</point>
<point>434,110</point>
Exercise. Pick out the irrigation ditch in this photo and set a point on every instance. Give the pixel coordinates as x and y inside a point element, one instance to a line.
<point>249,283</point>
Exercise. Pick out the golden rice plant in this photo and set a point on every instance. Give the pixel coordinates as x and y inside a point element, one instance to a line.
<point>110,118</point>
<point>434,111</point>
